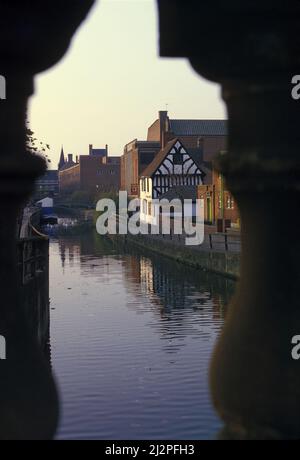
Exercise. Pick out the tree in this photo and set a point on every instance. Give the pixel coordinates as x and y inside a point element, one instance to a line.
<point>34,147</point>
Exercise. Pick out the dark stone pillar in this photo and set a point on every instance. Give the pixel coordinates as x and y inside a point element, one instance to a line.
<point>255,381</point>
<point>252,50</point>
<point>28,401</point>
<point>32,38</point>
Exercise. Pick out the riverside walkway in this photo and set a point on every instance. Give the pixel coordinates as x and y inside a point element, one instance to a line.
<point>218,253</point>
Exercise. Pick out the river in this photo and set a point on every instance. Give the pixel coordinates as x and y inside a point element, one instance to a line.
<point>131,335</point>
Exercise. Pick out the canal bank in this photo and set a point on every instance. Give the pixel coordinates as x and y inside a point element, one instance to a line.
<point>225,263</point>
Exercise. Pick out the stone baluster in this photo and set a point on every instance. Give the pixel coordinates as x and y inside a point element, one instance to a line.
<point>252,50</point>
<point>33,37</point>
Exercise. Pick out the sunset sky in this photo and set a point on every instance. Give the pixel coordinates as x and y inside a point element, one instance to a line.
<point>111,84</point>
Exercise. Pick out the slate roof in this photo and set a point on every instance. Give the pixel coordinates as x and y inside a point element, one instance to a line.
<point>198,127</point>
<point>67,165</point>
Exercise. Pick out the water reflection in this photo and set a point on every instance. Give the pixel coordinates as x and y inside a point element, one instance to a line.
<point>177,299</point>
<point>131,339</point>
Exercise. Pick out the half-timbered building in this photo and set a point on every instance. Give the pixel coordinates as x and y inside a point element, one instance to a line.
<point>174,171</point>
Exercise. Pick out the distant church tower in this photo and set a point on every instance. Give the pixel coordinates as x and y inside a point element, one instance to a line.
<point>62,161</point>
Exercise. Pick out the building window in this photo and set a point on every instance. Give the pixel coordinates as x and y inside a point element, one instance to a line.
<point>149,208</point>
<point>220,201</point>
<point>144,206</point>
<point>177,159</point>
<point>229,202</point>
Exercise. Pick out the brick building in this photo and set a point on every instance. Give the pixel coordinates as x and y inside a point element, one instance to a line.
<point>136,157</point>
<point>220,207</point>
<point>209,138</point>
<point>65,162</point>
<point>96,172</point>
<point>209,135</point>
<point>174,173</point>
<point>102,153</point>
<point>204,137</point>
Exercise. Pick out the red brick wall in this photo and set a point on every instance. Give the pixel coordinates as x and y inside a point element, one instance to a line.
<point>69,179</point>
<point>188,141</point>
<point>132,167</point>
<point>204,192</point>
<point>154,132</point>
<point>129,170</point>
<point>213,145</point>
<point>98,176</point>
<point>218,196</point>
<point>91,174</point>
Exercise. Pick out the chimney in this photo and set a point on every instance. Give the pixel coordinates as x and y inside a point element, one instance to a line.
<point>70,157</point>
<point>77,159</point>
<point>106,148</point>
<point>163,117</point>
<point>90,149</point>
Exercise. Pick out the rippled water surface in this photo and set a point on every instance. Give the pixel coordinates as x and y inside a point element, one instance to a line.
<point>131,336</point>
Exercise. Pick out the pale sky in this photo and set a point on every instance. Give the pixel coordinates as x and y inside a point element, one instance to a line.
<point>111,84</point>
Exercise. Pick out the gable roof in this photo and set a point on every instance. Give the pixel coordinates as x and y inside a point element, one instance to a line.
<point>159,158</point>
<point>198,127</point>
<point>68,165</point>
